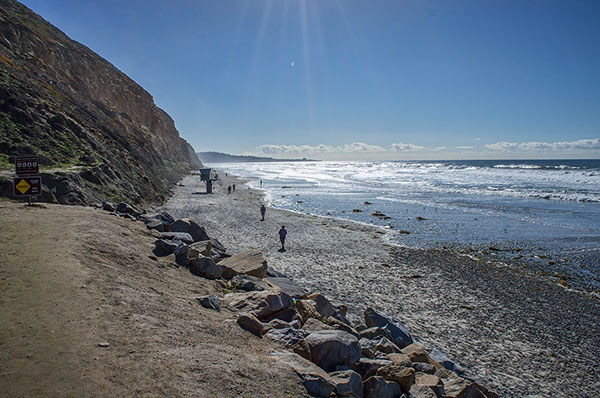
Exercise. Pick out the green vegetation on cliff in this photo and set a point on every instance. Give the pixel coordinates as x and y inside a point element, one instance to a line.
<point>62,101</point>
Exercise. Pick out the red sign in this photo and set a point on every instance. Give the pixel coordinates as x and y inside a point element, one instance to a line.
<point>27,165</point>
<point>27,186</point>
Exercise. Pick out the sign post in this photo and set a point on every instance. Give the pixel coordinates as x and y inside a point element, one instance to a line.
<point>27,181</point>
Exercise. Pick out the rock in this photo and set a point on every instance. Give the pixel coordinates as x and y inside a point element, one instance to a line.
<point>191,227</point>
<point>218,248</point>
<point>378,387</point>
<point>262,304</point>
<point>325,308</point>
<point>251,262</point>
<point>48,197</point>
<point>417,391</point>
<point>432,382</point>
<point>157,225</point>
<point>210,302</point>
<point>278,324</point>
<point>205,267</point>
<point>440,357</point>
<point>347,383</point>
<point>163,248</point>
<point>322,305</point>
<point>248,283</point>
<point>287,285</point>
<point>286,315</point>
<point>330,348</point>
<point>250,323</point>
<point>400,359</point>
<point>287,337</point>
<point>181,236</point>
<point>367,367</point>
<point>404,376</point>
<point>455,386</point>
<point>306,309</point>
<point>315,324</point>
<point>158,221</point>
<point>370,348</point>
<point>204,247</point>
<point>374,333</point>
<point>104,344</point>
<point>125,208</point>
<point>398,332</point>
<point>339,325</point>
<point>108,206</point>
<point>301,348</point>
<point>417,353</point>
<point>423,367</point>
<point>315,380</point>
<point>182,255</point>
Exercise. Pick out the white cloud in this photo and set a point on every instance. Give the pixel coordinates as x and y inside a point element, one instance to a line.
<point>464,147</point>
<point>401,147</point>
<point>534,146</point>
<point>347,148</point>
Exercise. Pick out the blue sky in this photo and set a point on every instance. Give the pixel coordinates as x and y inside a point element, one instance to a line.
<point>346,79</point>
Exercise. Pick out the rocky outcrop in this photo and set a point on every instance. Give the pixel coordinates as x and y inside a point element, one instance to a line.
<point>80,114</point>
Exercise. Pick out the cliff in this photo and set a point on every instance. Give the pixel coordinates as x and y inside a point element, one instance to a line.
<point>99,131</point>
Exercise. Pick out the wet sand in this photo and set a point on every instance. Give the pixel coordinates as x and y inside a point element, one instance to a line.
<point>516,333</point>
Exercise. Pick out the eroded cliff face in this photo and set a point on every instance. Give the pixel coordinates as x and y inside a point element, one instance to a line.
<point>81,114</point>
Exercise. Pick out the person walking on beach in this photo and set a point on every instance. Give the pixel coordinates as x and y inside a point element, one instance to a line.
<point>228,190</point>
<point>282,235</point>
<point>233,187</point>
<point>263,210</point>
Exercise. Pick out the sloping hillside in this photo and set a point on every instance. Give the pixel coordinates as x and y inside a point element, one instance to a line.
<point>62,101</point>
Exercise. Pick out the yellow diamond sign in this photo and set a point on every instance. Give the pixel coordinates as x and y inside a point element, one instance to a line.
<point>23,186</point>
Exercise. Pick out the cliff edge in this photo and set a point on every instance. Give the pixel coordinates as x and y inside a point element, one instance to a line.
<point>98,134</point>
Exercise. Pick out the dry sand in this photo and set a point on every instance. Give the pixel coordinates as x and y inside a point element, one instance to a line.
<point>516,333</point>
<point>74,277</point>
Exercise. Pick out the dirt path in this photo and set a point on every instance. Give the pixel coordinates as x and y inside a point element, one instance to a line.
<point>74,277</point>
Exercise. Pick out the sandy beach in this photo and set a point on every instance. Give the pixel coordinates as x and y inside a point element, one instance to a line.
<point>516,333</point>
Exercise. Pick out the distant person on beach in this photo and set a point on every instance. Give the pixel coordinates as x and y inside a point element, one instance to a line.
<point>282,235</point>
<point>263,210</point>
<point>229,189</point>
<point>261,183</point>
<point>233,187</point>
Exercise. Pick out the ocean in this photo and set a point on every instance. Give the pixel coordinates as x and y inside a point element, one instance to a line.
<point>543,215</point>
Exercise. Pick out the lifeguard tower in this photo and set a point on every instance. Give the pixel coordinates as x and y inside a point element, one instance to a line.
<point>205,176</point>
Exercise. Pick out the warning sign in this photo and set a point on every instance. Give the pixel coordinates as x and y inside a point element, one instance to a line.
<point>27,186</point>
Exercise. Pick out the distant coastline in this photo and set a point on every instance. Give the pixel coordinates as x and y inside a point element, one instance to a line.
<point>219,157</point>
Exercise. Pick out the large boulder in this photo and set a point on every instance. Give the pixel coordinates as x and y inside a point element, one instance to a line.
<point>287,337</point>
<point>191,227</point>
<point>374,348</point>
<point>348,383</point>
<point>368,367</point>
<point>378,387</point>
<point>251,262</point>
<point>404,376</point>
<point>211,302</point>
<point>434,383</point>
<point>331,348</point>
<point>417,353</point>
<point>126,208</point>
<point>250,323</point>
<point>164,248</point>
<point>182,253</point>
<point>205,267</point>
<point>315,380</point>
<point>400,359</point>
<point>181,236</point>
<point>440,357</point>
<point>262,304</point>
<point>287,285</point>
<point>326,308</point>
<point>399,334</point>
<point>455,386</point>
<point>248,283</point>
<point>158,221</point>
<point>204,247</point>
